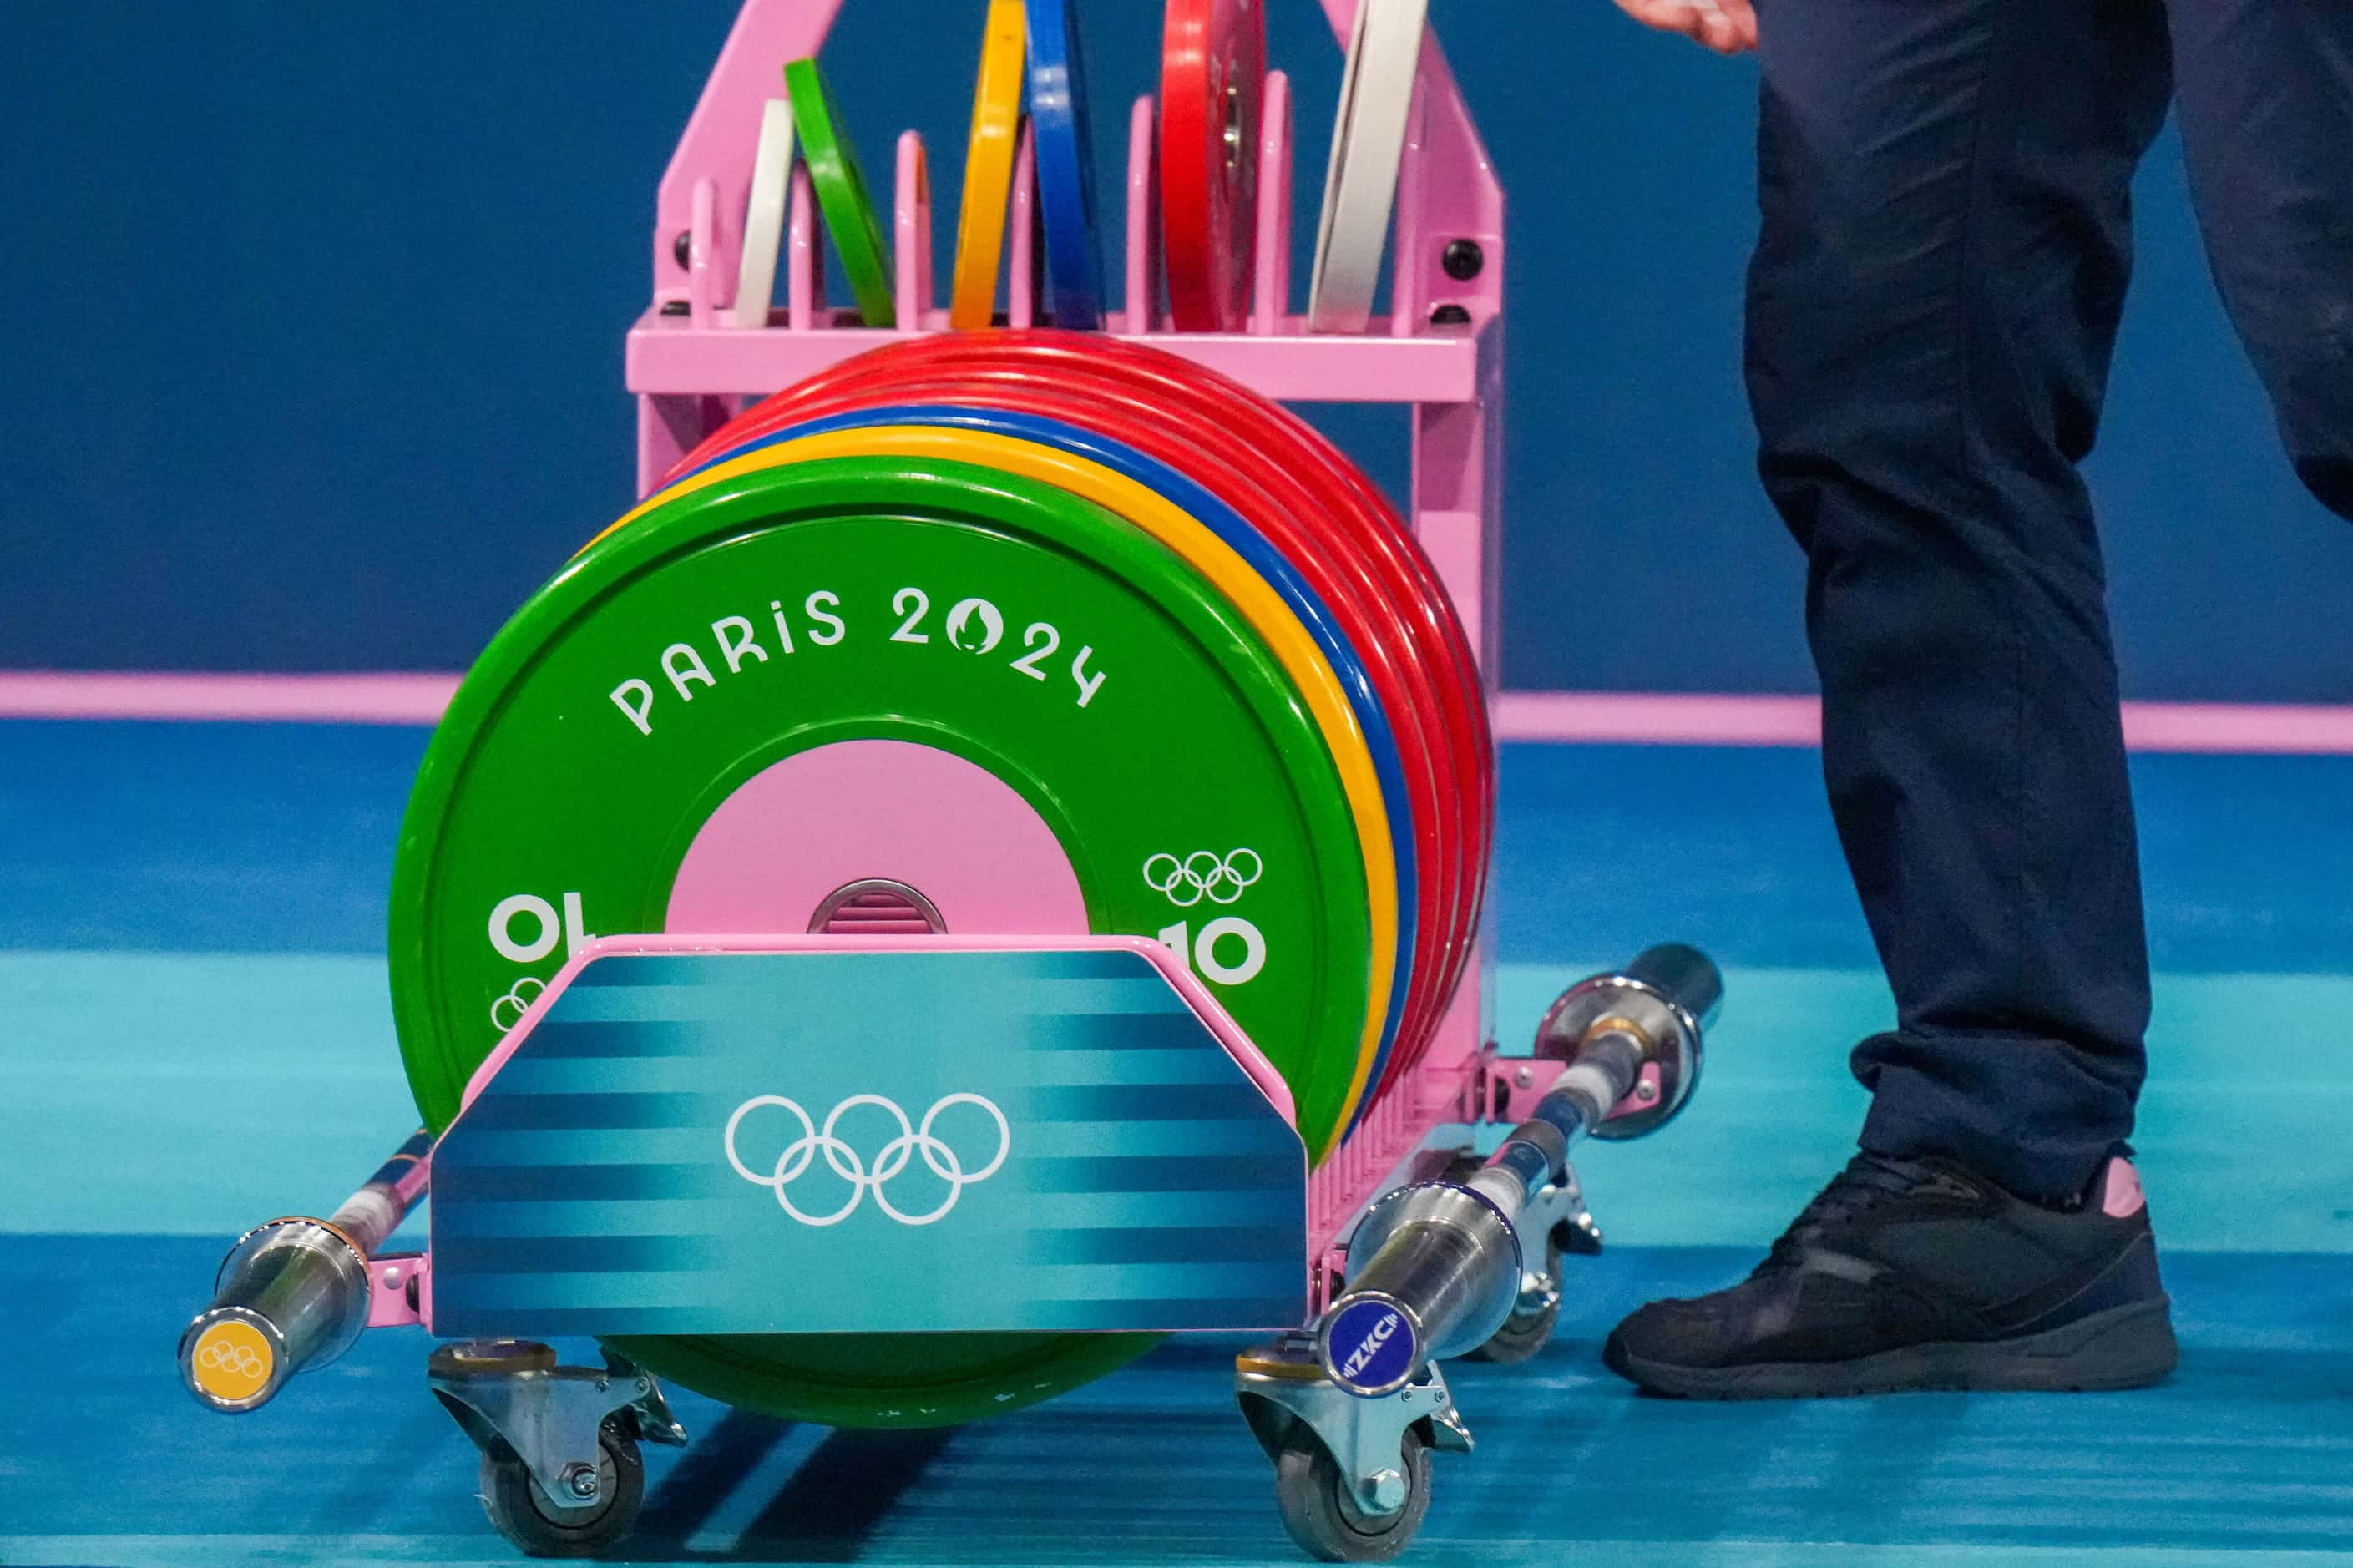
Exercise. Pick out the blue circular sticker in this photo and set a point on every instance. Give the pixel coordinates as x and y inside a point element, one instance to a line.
<point>1368,1348</point>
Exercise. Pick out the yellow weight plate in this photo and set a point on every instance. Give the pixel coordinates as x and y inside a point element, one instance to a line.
<point>1218,563</point>
<point>988,166</point>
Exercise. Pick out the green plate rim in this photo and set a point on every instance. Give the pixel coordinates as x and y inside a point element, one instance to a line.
<point>842,194</point>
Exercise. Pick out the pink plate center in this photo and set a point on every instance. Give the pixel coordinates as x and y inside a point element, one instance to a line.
<point>801,830</point>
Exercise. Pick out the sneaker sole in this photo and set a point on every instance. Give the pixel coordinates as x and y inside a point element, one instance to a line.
<point>2124,1347</point>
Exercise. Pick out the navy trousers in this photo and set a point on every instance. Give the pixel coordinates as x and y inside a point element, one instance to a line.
<point>1946,237</point>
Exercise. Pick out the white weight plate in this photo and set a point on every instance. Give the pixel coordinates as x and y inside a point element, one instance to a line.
<point>763,220</point>
<point>1367,142</point>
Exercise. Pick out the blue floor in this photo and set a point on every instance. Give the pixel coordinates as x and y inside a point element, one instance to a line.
<point>2249,1450</point>
<point>196,1037</point>
<point>278,838</point>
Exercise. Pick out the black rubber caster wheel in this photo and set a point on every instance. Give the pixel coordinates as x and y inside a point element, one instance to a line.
<point>522,1513</point>
<point>1319,1509</point>
<point>1524,1333</point>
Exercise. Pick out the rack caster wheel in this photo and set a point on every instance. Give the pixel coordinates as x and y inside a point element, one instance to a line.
<point>1351,1473</point>
<point>1323,1514</point>
<point>1529,1327</point>
<point>612,1494</point>
<point>561,1473</point>
<point>1559,1211</point>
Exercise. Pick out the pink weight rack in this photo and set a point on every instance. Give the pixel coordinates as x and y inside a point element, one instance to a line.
<point>1414,1252</point>
<point>1440,351</point>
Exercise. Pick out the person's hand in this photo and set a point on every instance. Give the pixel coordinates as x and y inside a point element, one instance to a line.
<point>1727,26</point>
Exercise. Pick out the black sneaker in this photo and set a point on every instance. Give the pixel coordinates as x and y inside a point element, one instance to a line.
<point>1918,1274</point>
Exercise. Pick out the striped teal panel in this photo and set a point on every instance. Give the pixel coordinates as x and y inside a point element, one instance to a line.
<point>743,1144</point>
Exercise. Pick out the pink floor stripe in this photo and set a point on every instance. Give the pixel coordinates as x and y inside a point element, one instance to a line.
<point>1672,719</point>
<point>1590,717</point>
<point>2238,727</point>
<point>1658,720</point>
<point>312,698</point>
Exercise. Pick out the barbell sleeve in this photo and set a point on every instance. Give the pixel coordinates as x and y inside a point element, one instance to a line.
<point>1441,1261</point>
<point>294,1293</point>
<point>1684,975</point>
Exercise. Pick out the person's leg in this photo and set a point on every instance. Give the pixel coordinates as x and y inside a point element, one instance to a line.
<point>2266,96</point>
<point>1945,191</point>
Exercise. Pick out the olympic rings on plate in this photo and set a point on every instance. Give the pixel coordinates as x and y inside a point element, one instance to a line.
<point>509,1009</point>
<point>1203,874</point>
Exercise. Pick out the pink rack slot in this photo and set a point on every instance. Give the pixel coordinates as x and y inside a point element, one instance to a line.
<point>804,256</point>
<point>1143,218</point>
<point>911,230</point>
<point>1022,251</point>
<point>1271,313</point>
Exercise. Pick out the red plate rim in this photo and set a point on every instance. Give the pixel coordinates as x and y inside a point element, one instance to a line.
<point>1208,187</point>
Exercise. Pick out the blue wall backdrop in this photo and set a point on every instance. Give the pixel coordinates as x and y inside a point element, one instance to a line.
<point>318,314</point>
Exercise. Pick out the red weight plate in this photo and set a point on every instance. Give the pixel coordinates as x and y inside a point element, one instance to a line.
<point>1375,526</point>
<point>1260,490</point>
<point>1212,78</point>
<point>1349,498</point>
<point>1341,496</point>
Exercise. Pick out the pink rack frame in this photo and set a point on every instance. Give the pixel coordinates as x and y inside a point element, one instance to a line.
<point>1440,350</point>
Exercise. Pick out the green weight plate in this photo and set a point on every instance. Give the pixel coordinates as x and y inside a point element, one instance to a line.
<point>540,783</point>
<point>841,195</point>
<point>867,1379</point>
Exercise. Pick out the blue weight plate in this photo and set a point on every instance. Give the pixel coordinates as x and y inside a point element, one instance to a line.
<point>1262,557</point>
<point>1066,165</point>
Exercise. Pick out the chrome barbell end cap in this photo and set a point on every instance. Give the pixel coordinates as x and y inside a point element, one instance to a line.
<point>232,1359</point>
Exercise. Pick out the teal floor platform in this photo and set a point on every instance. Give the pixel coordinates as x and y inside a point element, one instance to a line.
<point>195,1036</point>
<point>227,1088</point>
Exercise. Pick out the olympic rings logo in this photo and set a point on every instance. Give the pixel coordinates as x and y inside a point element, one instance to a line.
<point>1203,874</point>
<point>509,1009</point>
<point>846,1161</point>
<point>218,1356</point>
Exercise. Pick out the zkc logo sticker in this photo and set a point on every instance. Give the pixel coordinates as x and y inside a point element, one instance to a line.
<point>1371,1346</point>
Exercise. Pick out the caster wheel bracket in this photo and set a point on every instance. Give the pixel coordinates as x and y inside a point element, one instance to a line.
<point>1554,1221</point>
<point>1281,1387</point>
<point>1555,1213</point>
<point>509,1393</point>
